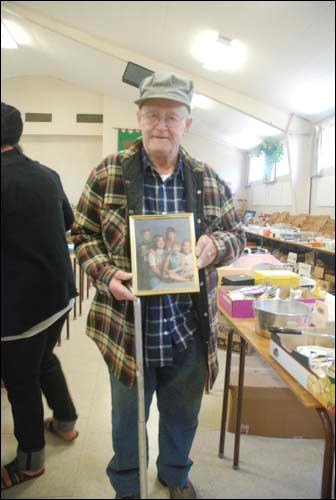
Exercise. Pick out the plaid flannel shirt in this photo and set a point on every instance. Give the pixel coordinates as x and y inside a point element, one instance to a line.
<point>168,318</point>
<point>101,238</point>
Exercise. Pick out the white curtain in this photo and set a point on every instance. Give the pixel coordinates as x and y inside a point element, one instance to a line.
<point>324,147</point>
<point>317,141</point>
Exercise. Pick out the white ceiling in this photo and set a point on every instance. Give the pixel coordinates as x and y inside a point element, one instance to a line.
<point>288,43</point>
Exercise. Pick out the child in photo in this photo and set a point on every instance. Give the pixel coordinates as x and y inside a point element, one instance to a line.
<point>173,263</point>
<point>142,258</point>
<point>188,269</point>
<point>170,238</point>
<point>155,261</point>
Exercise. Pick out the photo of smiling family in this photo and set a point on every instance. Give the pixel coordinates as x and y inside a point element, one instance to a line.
<point>163,254</point>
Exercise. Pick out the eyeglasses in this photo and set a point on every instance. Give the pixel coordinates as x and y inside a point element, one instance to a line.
<point>153,118</point>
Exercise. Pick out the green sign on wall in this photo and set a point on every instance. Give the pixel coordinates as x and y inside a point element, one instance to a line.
<point>126,137</point>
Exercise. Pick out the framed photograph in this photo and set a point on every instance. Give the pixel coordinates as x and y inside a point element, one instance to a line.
<point>163,254</point>
<point>248,216</point>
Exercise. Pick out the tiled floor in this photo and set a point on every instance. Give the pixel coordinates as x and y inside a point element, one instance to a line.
<point>269,467</point>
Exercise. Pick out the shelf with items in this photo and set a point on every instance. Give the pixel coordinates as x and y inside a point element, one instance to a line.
<point>320,259</point>
<point>322,225</point>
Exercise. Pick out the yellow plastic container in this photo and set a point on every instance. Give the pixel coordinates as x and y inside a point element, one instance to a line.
<point>278,278</point>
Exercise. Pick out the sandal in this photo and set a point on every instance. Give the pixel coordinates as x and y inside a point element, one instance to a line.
<point>15,475</point>
<point>49,426</point>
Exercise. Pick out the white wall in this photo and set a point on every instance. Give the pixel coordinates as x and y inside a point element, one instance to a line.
<point>227,161</point>
<point>323,195</point>
<point>72,157</point>
<point>117,114</point>
<point>270,197</point>
<point>72,149</point>
<point>50,95</point>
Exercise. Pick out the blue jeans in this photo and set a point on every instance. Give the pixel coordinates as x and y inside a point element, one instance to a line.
<point>179,390</point>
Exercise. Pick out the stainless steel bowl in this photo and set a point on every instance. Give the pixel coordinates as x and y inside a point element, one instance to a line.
<point>277,312</point>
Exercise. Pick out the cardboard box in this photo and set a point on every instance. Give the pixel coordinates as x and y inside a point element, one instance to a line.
<point>318,272</point>
<point>330,278</point>
<point>223,335</point>
<point>325,285</point>
<point>273,412</point>
<point>236,308</point>
<point>320,382</point>
<point>269,407</point>
<point>243,308</point>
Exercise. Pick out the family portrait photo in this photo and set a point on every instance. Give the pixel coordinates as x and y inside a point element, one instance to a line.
<point>163,254</point>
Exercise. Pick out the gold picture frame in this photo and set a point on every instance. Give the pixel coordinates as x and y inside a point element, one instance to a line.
<point>163,254</point>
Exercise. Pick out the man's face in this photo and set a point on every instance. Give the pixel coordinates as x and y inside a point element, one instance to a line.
<point>163,123</point>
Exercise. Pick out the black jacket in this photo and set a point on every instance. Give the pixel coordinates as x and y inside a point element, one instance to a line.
<point>36,273</point>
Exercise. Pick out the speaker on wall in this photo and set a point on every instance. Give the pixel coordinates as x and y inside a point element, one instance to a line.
<point>134,74</point>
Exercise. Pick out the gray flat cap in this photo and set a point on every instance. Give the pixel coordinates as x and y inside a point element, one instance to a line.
<point>166,86</point>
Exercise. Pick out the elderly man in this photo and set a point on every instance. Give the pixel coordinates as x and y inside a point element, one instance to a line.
<point>156,175</point>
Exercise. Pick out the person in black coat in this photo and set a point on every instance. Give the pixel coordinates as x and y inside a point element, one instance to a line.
<point>38,291</point>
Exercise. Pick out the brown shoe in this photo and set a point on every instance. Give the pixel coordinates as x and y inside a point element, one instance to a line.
<point>177,492</point>
<point>70,435</point>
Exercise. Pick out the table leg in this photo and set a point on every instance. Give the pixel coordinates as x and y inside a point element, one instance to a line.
<point>239,402</point>
<point>226,393</point>
<point>328,457</point>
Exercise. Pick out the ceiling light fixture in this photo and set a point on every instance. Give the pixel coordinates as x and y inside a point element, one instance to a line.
<point>218,53</point>
<point>225,41</point>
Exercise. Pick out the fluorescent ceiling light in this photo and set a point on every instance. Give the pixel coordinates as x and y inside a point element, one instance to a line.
<point>201,101</point>
<point>218,53</point>
<point>314,97</point>
<point>7,41</point>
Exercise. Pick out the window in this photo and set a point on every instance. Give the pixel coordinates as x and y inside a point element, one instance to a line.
<point>282,168</point>
<point>256,171</point>
<point>260,170</point>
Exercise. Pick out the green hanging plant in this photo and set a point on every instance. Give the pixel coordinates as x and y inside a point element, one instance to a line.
<point>272,148</point>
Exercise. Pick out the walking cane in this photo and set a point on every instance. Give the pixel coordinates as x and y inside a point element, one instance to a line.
<point>141,399</point>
